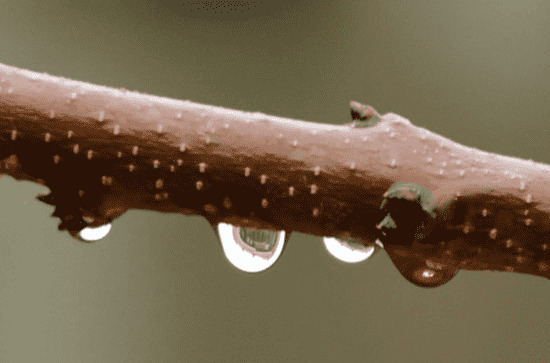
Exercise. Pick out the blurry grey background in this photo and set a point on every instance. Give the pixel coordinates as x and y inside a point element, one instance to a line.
<point>158,287</point>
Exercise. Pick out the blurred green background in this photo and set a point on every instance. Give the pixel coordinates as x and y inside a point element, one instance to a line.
<point>158,288</point>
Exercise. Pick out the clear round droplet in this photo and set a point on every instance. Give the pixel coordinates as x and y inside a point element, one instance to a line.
<point>349,250</point>
<point>250,250</point>
<point>91,234</point>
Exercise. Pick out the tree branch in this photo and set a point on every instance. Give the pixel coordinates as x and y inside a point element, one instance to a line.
<point>437,206</point>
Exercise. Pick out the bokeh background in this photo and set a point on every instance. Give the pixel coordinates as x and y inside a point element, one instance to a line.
<point>158,288</point>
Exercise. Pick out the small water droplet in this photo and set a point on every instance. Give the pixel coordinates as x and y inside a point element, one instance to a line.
<point>90,234</point>
<point>348,249</point>
<point>250,250</point>
<point>317,170</point>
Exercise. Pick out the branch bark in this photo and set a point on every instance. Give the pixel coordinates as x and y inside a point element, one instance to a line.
<point>436,205</point>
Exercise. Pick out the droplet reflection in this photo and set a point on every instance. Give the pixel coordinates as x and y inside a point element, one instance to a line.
<point>349,250</point>
<point>250,250</point>
<point>91,234</point>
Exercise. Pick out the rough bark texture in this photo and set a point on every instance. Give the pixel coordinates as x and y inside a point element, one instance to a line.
<point>436,205</point>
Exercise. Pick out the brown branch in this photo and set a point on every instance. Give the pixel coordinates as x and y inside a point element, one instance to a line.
<point>436,205</point>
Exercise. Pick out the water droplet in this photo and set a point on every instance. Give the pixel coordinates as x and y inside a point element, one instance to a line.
<point>90,234</point>
<point>250,250</point>
<point>348,249</point>
<point>317,170</point>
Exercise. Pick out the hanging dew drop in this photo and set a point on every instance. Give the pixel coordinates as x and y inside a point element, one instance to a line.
<point>91,234</point>
<point>250,250</point>
<point>349,250</point>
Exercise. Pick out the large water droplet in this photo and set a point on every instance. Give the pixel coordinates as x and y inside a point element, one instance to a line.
<point>348,249</point>
<point>91,234</point>
<point>250,250</point>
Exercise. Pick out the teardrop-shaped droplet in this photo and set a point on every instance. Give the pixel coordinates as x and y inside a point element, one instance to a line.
<point>348,249</point>
<point>250,250</point>
<point>421,272</point>
<point>91,234</point>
